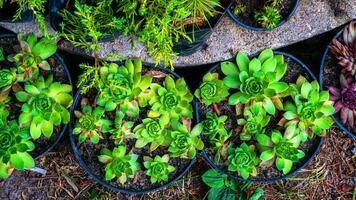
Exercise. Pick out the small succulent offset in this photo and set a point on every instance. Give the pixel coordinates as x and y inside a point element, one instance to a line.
<point>254,121</point>
<point>213,125</point>
<point>91,124</point>
<point>269,17</point>
<point>120,85</point>
<point>184,144</point>
<point>283,150</point>
<point>158,168</point>
<point>258,79</point>
<point>7,78</point>
<point>243,159</point>
<point>152,130</point>
<point>345,50</point>
<point>45,105</point>
<point>212,90</point>
<point>119,164</point>
<point>310,110</point>
<point>32,56</point>
<point>174,99</point>
<point>345,100</point>
<point>122,129</point>
<point>14,147</point>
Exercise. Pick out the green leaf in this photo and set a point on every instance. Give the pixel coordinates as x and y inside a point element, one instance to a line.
<point>267,155</point>
<point>22,96</point>
<point>145,82</point>
<point>213,178</point>
<point>254,66</point>
<point>229,69</point>
<point>28,161</point>
<point>35,130</point>
<point>269,65</point>
<point>17,162</point>
<point>264,140</point>
<point>269,106</point>
<point>265,54</point>
<point>306,88</point>
<point>242,61</point>
<point>232,81</point>
<point>289,115</point>
<point>47,128</point>
<point>279,87</point>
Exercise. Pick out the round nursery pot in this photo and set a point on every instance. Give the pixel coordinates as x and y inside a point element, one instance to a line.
<point>310,147</point>
<point>55,6</point>
<point>247,20</point>
<point>199,34</point>
<point>60,73</point>
<point>91,165</point>
<point>9,10</point>
<point>330,76</point>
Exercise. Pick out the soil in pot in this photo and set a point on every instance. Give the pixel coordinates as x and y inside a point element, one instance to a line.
<point>293,72</point>
<point>10,46</point>
<point>90,152</point>
<point>250,7</point>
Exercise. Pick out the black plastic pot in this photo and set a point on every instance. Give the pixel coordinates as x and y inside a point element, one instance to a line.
<point>8,11</point>
<point>100,180</point>
<point>247,26</point>
<point>321,83</point>
<point>59,58</point>
<point>309,157</point>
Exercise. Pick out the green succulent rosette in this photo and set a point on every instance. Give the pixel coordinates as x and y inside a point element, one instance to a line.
<point>119,164</point>
<point>243,160</point>
<point>46,105</point>
<point>257,79</point>
<point>14,147</point>
<point>158,169</point>
<point>311,110</point>
<point>280,149</point>
<point>91,124</point>
<point>152,130</point>
<point>7,78</point>
<point>173,100</point>
<point>212,90</point>
<point>184,144</point>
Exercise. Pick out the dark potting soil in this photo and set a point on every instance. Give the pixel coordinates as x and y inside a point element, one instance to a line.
<point>10,46</point>
<point>293,72</point>
<point>331,74</point>
<point>252,6</point>
<point>90,152</point>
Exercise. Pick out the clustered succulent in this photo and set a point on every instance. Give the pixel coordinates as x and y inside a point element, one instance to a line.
<point>264,105</point>
<point>267,15</point>
<point>344,48</point>
<point>38,104</point>
<point>134,109</point>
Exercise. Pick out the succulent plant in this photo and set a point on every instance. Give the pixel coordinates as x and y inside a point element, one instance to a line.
<point>174,99</point>
<point>158,168</point>
<point>122,129</point>
<point>283,150</point>
<point>2,56</point>
<point>33,55</point>
<point>345,100</point>
<point>258,79</point>
<point>213,125</point>
<point>243,159</point>
<point>219,144</point>
<point>254,121</point>
<point>91,124</point>
<point>7,79</point>
<point>269,17</point>
<point>122,85</point>
<point>152,130</point>
<point>310,110</point>
<point>212,90</point>
<point>184,143</point>
<point>14,147</point>
<point>45,105</point>
<point>345,50</point>
<point>119,164</point>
